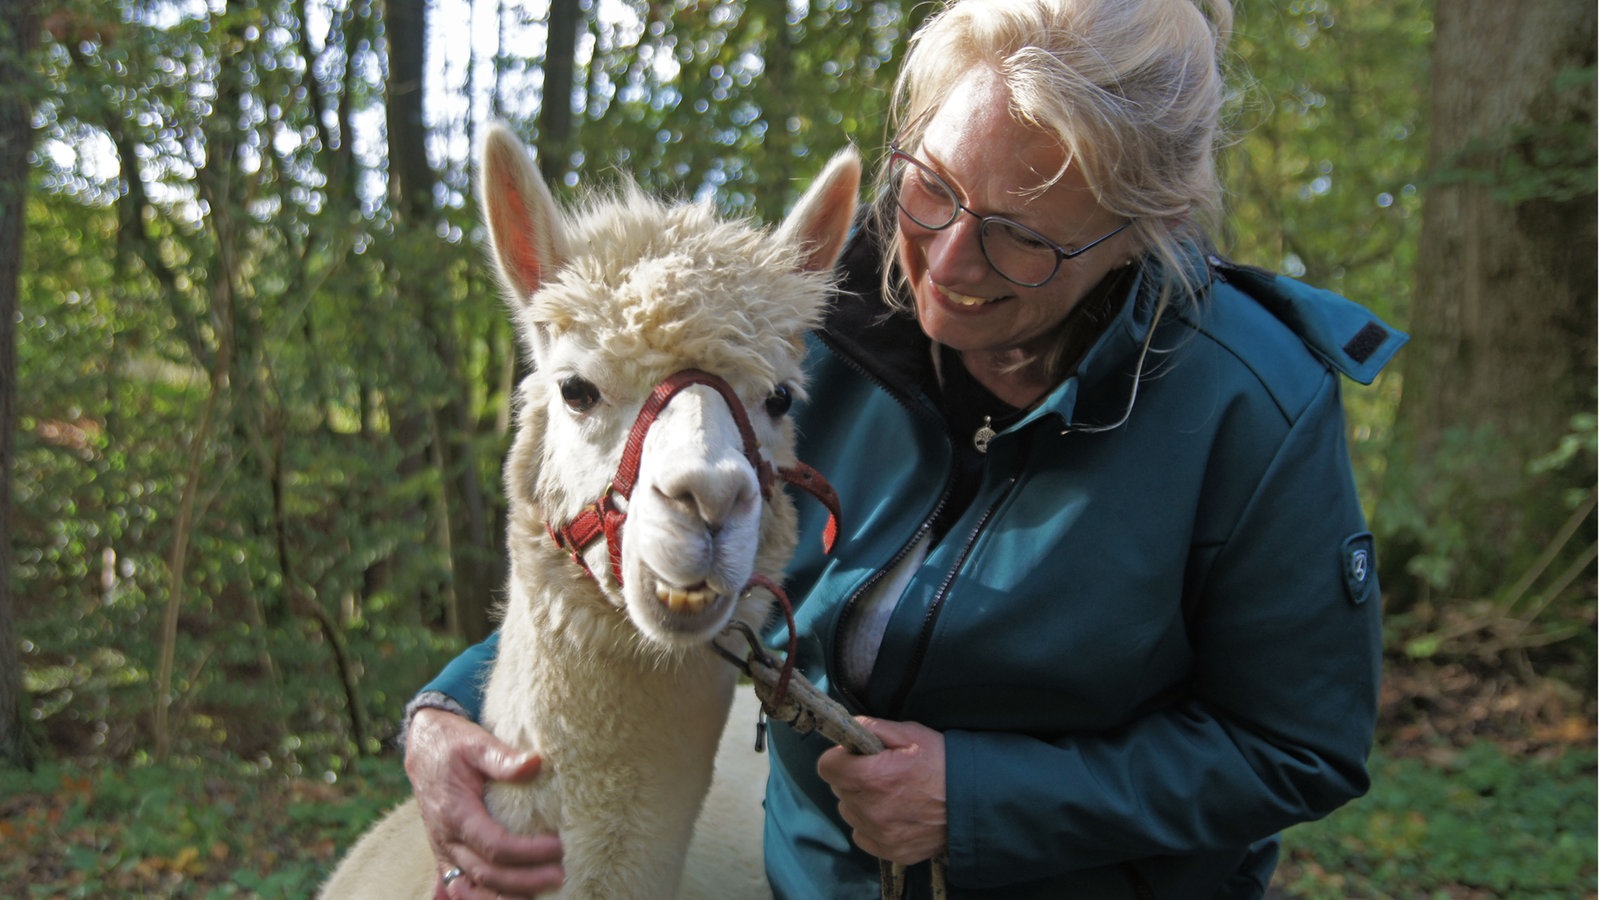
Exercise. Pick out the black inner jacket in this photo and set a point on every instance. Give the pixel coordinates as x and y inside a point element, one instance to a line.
<point>892,348</point>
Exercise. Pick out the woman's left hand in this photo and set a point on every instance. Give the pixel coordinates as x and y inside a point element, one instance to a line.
<point>894,800</point>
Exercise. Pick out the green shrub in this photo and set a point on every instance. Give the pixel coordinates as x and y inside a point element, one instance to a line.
<point>1476,823</point>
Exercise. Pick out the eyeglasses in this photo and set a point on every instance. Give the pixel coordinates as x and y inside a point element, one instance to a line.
<point>1020,254</point>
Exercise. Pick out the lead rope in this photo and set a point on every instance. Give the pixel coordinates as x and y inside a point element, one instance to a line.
<point>791,698</point>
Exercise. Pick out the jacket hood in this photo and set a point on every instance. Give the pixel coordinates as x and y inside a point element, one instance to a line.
<point>1344,335</point>
<point>889,346</point>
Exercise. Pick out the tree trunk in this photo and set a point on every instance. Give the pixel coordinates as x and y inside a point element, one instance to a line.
<point>778,143</point>
<point>474,557</point>
<point>410,178</point>
<point>1503,356</point>
<point>18,34</point>
<point>555,104</point>
<point>177,565</point>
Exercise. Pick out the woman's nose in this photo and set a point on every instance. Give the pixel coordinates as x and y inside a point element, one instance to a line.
<point>955,255</point>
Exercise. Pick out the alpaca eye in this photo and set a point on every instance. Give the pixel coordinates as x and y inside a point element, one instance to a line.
<point>779,401</point>
<point>580,395</point>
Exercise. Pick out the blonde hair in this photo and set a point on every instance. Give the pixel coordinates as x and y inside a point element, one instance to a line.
<point>1133,89</point>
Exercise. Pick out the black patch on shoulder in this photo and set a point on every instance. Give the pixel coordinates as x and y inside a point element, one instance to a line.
<point>1369,338</point>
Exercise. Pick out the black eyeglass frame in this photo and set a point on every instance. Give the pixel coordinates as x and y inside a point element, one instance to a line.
<point>1061,253</point>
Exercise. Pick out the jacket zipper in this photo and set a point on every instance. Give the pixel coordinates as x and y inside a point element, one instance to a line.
<point>925,635</point>
<point>834,664</point>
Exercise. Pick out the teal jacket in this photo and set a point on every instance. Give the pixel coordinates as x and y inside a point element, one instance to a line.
<point>1150,648</point>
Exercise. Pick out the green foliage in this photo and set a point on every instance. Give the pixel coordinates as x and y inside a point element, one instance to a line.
<point>1541,615</point>
<point>1325,171</point>
<point>210,240</point>
<point>1466,471</point>
<point>1480,822</point>
<point>1549,159</point>
<point>701,99</point>
<point>219,829</point>
<point>210,228</point>
<point>1578,447</point>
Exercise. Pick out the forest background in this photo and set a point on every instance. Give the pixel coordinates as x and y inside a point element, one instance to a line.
<point>254,387</point>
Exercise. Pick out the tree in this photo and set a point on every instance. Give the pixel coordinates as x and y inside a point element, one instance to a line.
<point>267,375</point>
<point>210,213</point>
<point>555,104</point>
<point>18,34</point>
<point>451,428</point>
<point>1501,373</point>
<point>1330,129</point>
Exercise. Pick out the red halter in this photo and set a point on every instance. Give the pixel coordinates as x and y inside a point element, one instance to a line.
<point>602,518</point>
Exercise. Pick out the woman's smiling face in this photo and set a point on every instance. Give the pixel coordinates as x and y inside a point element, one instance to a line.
<point>999,166</point>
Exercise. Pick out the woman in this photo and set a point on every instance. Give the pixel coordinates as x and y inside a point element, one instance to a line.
<point>1107,592</point>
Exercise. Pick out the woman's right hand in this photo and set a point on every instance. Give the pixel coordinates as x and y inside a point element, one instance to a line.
<point>450,760</point>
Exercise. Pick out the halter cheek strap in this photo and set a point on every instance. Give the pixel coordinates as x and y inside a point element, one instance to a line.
<point>603,518</point>
<point>811,481</point>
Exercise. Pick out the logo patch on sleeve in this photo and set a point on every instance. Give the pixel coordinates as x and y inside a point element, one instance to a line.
<point>1360,568</point>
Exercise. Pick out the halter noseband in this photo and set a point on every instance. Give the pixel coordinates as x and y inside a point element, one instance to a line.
<point>602,518</point>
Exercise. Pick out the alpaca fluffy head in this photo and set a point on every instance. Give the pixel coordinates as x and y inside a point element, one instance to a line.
<point>612,299</point>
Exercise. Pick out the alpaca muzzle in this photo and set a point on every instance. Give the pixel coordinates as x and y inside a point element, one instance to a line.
<point>603,518</point>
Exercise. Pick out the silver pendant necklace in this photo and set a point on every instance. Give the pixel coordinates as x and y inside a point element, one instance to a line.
<point>984,434</point>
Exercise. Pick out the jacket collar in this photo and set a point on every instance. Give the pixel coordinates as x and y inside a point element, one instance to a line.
<point>1343,334</point>
<point>1100,392</point>
<point>1347,337</point>
<point>891,348</point>
<point>887,344</point>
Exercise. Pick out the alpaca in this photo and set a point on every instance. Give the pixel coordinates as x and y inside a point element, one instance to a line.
<point>604,665</point>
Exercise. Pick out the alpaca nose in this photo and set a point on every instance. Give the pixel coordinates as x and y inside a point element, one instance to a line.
<point>701,470</point>
<point>714,493</point>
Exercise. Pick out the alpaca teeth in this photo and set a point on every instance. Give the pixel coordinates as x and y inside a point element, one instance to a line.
<point>679,600</point>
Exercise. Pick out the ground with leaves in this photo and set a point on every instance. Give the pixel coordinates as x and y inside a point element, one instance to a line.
<point>77,829</point>
<point>1483,789</point>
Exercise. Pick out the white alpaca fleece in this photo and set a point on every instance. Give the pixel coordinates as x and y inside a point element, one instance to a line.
<point>613,684</point>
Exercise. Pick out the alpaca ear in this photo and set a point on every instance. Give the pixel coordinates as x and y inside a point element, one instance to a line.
<point>820,222</point>
<point>524,227</point>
